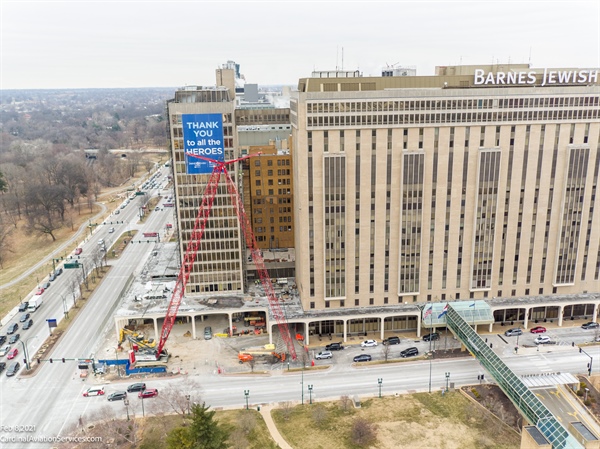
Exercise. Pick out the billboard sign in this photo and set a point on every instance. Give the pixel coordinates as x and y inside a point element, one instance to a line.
<point>202,136</point>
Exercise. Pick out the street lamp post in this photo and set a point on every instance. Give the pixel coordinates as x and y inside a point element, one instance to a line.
<point>187,397</point>
<point>126,402</point>
<point>380,383</point>
<point>117,357</point>
<point>246,393</point>
<point>24,344</point>
<point>302,382</point>
<point>447,380</point>
<point>143,412</point>
<point>310,389</point>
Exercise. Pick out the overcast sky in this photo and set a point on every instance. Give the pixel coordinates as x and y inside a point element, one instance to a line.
<point>79,44</point>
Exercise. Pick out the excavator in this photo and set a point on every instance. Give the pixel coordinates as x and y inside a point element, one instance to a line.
<point>135,339</point>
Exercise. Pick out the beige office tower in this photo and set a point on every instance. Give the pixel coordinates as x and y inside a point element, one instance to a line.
<point>218,266</point>
<point>478,182</point>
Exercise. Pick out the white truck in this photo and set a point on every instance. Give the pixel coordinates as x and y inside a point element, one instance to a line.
<point>34,303</point>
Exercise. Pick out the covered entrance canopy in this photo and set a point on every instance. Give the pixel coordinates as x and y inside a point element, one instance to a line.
<point>473,312</point>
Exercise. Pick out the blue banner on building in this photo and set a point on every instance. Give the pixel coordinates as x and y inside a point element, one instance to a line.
<point>202,136</point>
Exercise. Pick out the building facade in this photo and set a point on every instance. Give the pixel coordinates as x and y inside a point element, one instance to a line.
<point>218,267</point>
<point>478,182</point>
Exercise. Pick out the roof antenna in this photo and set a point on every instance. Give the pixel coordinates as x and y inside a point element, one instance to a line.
<point>342,59</point>
<point>529,57</point>
<point>337,57</point>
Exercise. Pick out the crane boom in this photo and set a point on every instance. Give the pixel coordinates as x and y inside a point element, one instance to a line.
<point>192,249</point>
<point>189,257</point>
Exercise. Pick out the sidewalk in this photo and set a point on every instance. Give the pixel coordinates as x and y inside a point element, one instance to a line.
<point>265,411</point>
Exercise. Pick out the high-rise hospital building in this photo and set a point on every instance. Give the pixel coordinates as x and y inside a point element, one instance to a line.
<point>477,182</point>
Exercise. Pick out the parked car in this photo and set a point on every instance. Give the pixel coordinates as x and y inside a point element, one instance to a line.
<point>117,396</point>
<point>117,212</point>
<point>14,338</point>
<point>140,386</point>
<point>590,325</point>
<point>2,339</point>
<point>78,251</point>
<point>52,277</point>
<point>149,393</point>
<point>409,352</point>
<point>13,353</point>
<point>2,366</point>
<point>431,337</point>
<point>101,242</point>
<point>39,291</point>
<point>27,324</point>
<point>58,272</point>
<point>12,328</point>
<point>392,341</point>
<point>207,333</point>
<point>23,306</point>
<point>24,317</point>
<point>542,340</point>
<point>538,330</point>
<point>334,347</point>
<point>94,391</point>
<point>324,355</point>
<point>368,343</point>
<point>13,369</point>
<point>46,285</point>
<point>362,358</point>
<point>4,350</point>
<point>513,332</point>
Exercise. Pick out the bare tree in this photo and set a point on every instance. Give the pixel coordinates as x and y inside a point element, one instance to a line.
<point>345,403</point>
<point>238,439</point>
<point>5,245</point>
<point>75,288</point>
<point>320,415</point>
<point>177,397</point>
<point>385,351</point>
<point>286,410</point>
<point>246,421</point>
<point>43,223</point>
<point>363,433</point>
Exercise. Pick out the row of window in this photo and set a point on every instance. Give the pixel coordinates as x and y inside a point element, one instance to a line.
<point>270,182</point>
<point>280,162</point>
<point>451,118</point>
<point>260,230</point>
<point>279,192</point>
<point>444,105</point>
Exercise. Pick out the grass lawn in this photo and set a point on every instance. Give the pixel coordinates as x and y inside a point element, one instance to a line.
<point>406,422</point>
<point>248,430</point>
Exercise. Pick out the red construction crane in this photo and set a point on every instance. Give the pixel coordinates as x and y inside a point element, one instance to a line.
<point>220,167</point>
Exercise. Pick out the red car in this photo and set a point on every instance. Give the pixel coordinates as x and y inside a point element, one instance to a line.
<point>538,330</point>
<point>148,393</point>
<point>12,354</point>
<point>78,251</point>
<point>40,291</point>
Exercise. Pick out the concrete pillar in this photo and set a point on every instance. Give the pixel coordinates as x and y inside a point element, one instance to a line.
<point>193,327</point>
<point>345,331</point>
<point>306,335</point>
<point>230,318</point>
<point>381,334</point>
<point>491,327</point>
<point>595,317</point>
<point>156,334</point>
<point>270,327</point>
<point>525,321</point>
<point>561,311</point>
<point>419,325</point>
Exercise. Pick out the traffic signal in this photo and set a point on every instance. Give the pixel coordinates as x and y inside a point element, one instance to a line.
<point>50,360</point>
<point>580,350</point>
<point>63,360</point>
<point>38,360</point>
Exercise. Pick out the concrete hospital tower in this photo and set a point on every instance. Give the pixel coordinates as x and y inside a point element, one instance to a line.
<point>477,182</point>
